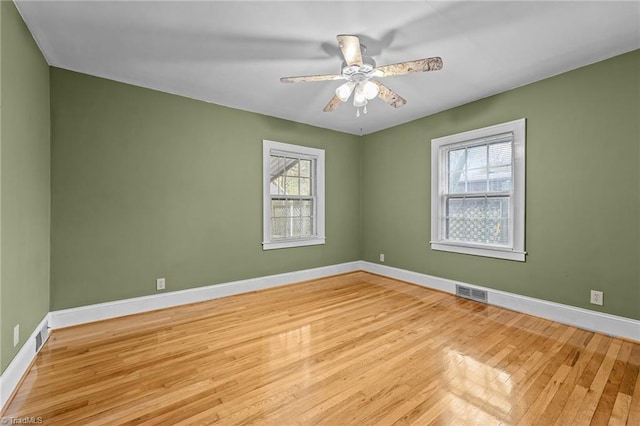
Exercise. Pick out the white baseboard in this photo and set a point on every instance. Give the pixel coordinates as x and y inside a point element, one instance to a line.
<point>578,317</point>
<point>102,311</point>
<point>11,377</point>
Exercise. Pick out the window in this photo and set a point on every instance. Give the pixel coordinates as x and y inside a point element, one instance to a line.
<point>477,194</point>
<point>293,203</point>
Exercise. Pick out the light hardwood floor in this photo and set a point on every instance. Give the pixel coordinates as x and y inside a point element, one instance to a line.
<point>355,349</point>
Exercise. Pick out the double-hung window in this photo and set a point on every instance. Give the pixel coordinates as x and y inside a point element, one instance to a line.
<point>477,197</point>
<point>293,195</point>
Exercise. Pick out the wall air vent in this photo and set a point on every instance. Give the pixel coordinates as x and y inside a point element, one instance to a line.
<point>471,293</point>
<point>42,336</point>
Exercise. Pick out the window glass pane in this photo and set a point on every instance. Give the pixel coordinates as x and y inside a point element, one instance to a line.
<point>500,178</point>
<point>296,227</point>
<point>292,185</point>
<point>278,228</point>
<point>305,186</point>
<point>456,169</point>
<point>305,168</point>
<point>276,165</point>
<point>456,160</point>
<point>498,212</point>
<point>455,208</point>
<point>481,168</point>
<point>294,208</point>
<point>307,207</point>
<point>477,157</point>
<point>458,182</point>
<point>291,218</point>
<point>468,223</point>
<point>293,168</point>
<point>475,207</point>
<point>277,185</point>
<point>306,227</point>
<point>456,156</point>
<point>278,208</point>
<point>498,208</point>
<point>477,185</point>
<point>477,168</point>
<point>498,231</point>
<point>500,154</point>
<point>479,220</point>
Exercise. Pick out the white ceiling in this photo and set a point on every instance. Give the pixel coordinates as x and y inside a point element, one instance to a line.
<point>233,53</point>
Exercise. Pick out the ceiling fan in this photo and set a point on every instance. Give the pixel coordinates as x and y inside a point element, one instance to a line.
<point>358,71</point>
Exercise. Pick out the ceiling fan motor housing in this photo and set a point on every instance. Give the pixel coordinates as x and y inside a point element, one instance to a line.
<point>357,73</point>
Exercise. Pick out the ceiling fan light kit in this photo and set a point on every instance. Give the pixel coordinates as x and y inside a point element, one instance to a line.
<point>358,71</point>
<point>343,92</point>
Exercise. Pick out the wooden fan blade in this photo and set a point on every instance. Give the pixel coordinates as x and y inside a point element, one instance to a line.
<point>389,96</point>
<point>421,65</point>
<point>333,104</point>
<point>325,77</point>
<point>350,46</point>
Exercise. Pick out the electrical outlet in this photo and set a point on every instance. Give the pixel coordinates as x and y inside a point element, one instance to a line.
<point>597,297</point>
<point>160,284</point>
<point>382,257</point>
<point>16,335</point>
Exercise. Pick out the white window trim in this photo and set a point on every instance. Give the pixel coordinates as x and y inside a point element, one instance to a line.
<point>438,178</point>
<point>318,154</point>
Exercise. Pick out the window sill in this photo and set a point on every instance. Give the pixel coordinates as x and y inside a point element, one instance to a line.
<point>273,245</point>
<point>494,252</point>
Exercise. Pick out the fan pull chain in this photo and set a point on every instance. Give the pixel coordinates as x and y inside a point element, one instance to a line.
<point>363,110</point>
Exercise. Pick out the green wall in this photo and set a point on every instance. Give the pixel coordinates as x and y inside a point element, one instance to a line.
<point>583,189</point>
<point>24,182</point>
<point>147,185</point>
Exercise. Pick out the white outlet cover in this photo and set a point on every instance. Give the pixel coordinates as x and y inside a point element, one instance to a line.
<point>381,257</point>
<point>160,284</point>
<point>16,335</point>
<point>597,297</point>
